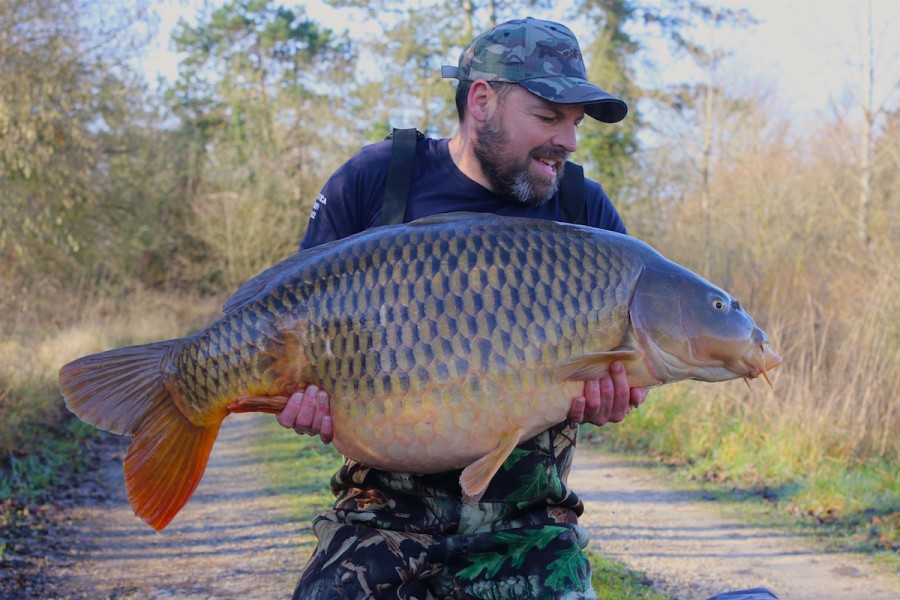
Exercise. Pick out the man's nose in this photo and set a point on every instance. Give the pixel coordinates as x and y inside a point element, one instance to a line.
<point>566,138</point>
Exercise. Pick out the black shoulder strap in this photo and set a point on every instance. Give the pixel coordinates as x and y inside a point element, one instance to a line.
<point>399,177</point>
<point>400,172</point>
<point>572,195</point>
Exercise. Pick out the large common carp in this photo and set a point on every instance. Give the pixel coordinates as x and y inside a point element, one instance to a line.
<point>443,343</point>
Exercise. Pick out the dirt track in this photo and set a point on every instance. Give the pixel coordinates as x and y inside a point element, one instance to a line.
<point>689,549</point>
<point>232,540</point>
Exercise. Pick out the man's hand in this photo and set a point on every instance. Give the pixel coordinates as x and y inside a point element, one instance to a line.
<point>608,399</point>
<point>308,413</point>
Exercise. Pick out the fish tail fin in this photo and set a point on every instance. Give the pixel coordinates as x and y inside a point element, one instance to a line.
<point>124,391</point>
<point>165,462</point>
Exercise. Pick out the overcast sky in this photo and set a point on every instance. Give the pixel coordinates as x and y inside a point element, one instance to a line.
<point>808,51</point>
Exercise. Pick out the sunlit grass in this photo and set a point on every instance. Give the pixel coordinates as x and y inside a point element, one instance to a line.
<point>613,581</point>
<point>298,467</point>
<point>759,448</point>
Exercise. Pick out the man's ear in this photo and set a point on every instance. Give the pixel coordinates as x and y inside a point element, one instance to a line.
<point>481,101</point>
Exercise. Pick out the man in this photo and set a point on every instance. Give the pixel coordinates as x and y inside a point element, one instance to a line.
<point>522,92</point>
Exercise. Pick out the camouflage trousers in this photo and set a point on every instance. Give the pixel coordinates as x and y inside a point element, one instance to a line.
<point>399,536</point>
<point>361,562</point>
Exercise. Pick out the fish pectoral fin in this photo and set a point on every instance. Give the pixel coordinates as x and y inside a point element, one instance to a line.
<point>282,360</point>
<point>476,477</point>
<point>593,365</point>
<point>264,404</point>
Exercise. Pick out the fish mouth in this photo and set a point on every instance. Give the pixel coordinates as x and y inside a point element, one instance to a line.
<point>759,360</point>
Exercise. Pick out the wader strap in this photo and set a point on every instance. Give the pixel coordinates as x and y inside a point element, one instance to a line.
<point>572,195</point>
<point>399,176</point>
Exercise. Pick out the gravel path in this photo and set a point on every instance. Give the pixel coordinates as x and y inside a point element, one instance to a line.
<point>690,550</point>
<point>233,539</point>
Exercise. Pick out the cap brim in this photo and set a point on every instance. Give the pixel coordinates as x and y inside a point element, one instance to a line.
<point>598,104</point>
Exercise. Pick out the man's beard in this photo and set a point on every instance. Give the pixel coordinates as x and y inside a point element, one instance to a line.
<point>512,177</point>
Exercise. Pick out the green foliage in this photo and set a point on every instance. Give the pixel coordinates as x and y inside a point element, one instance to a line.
<point>297,467</point>
<point>107,183</point>
<point>58,89</point>
<point>613,581</point>
<point>609,150</point>
<point>251,86</point>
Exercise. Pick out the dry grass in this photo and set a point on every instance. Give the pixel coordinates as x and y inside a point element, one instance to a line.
<point>31,356</point>
<point>781,237</point>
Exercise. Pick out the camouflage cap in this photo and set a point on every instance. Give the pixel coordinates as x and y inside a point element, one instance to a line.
<point>541,56</point>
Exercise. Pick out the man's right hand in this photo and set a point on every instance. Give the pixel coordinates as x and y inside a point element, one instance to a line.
<point>308,413</point>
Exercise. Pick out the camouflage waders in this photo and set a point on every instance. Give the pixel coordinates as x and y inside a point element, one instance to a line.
<point>405,537</point>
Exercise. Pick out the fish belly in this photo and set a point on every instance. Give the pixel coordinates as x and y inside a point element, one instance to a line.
<point>443,429</point>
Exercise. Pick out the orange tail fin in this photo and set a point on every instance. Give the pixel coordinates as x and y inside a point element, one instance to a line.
<point>123,391</point>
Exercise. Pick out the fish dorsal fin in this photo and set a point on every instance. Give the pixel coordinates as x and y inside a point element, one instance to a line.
<point>594,365</point>
<point>476,477</point>
<point>259,284</point>
<point>274,276</point>
<point>452,217</point>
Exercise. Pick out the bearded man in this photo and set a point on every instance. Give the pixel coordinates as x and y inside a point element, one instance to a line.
<point>522,93</point>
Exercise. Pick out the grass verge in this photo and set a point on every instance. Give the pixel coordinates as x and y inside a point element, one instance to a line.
<point>297,467</point>
<point>613,581</point>
<point>757,454</point>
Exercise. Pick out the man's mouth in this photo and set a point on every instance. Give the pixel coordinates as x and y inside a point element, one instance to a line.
<point>546,166</point>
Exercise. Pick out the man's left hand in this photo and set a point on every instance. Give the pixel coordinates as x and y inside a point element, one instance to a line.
<point>607,400</point>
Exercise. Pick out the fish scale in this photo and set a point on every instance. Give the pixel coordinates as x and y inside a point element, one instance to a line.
<point>442,344</point>
<point>461,352</point>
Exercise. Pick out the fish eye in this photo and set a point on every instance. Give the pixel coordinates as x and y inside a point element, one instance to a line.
<point>719,304</point>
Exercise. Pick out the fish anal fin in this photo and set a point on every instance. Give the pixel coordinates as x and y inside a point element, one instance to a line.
<point>165,462</point>
<point>476,477</point>
<point>264,404</point>
<point>594,365</point>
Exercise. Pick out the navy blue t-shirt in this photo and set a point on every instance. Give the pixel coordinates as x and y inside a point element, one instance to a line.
<point>352,198</point>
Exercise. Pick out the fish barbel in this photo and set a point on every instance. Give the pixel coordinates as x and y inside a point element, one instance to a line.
<point>442,343</point>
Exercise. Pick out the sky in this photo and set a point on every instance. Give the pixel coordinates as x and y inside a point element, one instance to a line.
<point>808,51</point>
<point>812,51</point>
